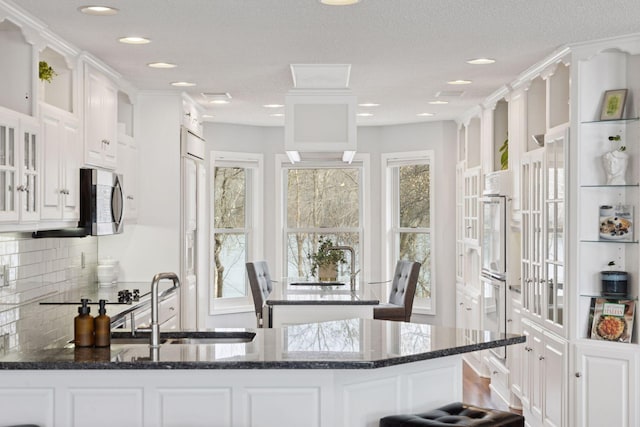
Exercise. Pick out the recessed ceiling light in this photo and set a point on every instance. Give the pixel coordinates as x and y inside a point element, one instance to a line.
<point>161,65</point>
<point>134,40</point>
<point>438,102</point>
<point>425,114</point>
<point>182,84</point>
<point>481,61</point>
<point>273,105</point>
<point>339,2</point>
<point>217,98</point>
<point>98,10</point>
<point>207,116</point>
<point>364,114</point>
<point>369,104</point>
<point>459,82</point>
<point>277,115</point>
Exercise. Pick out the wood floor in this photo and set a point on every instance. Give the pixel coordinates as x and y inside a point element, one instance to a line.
<point>476,391</point>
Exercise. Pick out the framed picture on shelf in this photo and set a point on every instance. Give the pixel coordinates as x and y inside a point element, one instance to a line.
<point>616,223</point>
<point>613,104</point>
<point>612,319</point>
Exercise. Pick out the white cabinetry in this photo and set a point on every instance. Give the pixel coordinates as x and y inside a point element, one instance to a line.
<point>20,155</point>
<point>544,377</point>
<point>61,168</point>
<point>606,384</point>
<point>128,167</point>
<point>100,119</point>
<point>471,216</point>
<point>468,318</point>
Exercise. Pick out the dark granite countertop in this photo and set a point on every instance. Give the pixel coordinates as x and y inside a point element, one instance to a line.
<point>342,344</point>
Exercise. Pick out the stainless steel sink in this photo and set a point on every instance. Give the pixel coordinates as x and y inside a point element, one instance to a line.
<point>185,337</point>
<point>203,341</point>
<point>316,284</point>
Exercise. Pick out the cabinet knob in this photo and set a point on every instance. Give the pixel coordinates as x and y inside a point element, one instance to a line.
<point>540,357</point>
<point>21,188</point>
<point>509,320</point>
<point>578,374</point>
<point>527,348</point>
<point>106,141</point>
<point>468,308</point>
<point>129,197</point>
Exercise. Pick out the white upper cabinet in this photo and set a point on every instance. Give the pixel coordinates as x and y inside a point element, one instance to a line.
<point>61,169</point>
<point>20,160</point>
<point>100,119</point>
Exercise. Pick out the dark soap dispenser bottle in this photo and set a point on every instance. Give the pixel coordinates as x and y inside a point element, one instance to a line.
<point>103,326</point>
<point>83,328</point>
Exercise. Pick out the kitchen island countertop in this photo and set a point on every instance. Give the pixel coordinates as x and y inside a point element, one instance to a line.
<point>341,344</point>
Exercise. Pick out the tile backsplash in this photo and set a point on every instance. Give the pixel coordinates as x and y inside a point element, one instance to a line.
<point>35,269</point>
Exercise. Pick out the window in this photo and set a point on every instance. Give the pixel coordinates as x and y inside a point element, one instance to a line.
<point>409,198</point>
<point>321,201</point>
<point>236,215</point>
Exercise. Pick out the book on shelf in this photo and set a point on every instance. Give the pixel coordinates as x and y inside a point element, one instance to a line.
<point>611,319</point>
<point>616,223</point>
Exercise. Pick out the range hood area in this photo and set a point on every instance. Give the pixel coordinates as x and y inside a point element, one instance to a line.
<point>320,113</point>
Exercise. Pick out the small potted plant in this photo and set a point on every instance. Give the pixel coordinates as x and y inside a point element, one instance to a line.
<point>46,73</point>
<point>325,261</point>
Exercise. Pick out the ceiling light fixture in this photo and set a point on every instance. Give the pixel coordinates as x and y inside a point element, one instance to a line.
<point>217,98</point>
<point>161,65</point>
<point>273,105</point>
<point>293,156</point>
<point>369,104</point>
<point>98,10</point>
<point>182,84</point>
<point>339,2</point>
<point>276,115</point>
<point>364,114</point>
<point>459,82</point>
<point>134,40</point>
<point>425,114</point>
<point>481,61</point>
<point>207,116</point>
<point>438,102</point>
<point>347,156</point>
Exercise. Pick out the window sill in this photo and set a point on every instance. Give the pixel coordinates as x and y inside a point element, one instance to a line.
<point>230,307</point>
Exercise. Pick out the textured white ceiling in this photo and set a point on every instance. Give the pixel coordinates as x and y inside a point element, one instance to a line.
<point>402,51</point>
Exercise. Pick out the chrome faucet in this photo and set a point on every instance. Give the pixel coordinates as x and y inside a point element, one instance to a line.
<point>155,326</point>
<point>352,276</point>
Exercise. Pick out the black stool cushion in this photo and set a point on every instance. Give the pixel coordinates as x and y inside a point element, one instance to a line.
<point>456,414</point>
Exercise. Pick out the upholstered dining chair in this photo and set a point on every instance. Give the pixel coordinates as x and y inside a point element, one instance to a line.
<point>403,289</point>
<point>261,286</point>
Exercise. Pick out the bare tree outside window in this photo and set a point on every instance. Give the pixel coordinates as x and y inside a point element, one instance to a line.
<point>321,202</point>
<point>230,231</point>
<point>414,221</point>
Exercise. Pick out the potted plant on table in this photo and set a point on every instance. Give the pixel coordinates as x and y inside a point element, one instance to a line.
<point>325,260</point>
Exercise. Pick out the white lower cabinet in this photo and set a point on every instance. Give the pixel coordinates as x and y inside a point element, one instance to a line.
<point>61,169</point>
<point>606,385</point>
<point>544,369</point>
<point>468,318</point>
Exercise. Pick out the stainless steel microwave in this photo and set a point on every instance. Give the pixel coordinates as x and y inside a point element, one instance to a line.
<point>101,202</point>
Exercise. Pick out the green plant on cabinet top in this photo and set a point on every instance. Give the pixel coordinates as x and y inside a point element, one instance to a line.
<point>46,72</point>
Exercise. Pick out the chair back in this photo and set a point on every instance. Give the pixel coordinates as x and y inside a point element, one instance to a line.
<point>261,285</point>
<point>403,287</point>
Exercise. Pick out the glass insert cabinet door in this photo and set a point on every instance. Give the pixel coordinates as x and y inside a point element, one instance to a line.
<point>555,227</point>
<point>28,187</point>
<point>8,170</point>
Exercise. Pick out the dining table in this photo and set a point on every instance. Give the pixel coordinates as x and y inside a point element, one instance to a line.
<point>295,301</point>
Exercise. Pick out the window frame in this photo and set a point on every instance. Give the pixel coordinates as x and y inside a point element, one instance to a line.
<point>361,161</point>
<point>254,226</point>
<point>390,240</point>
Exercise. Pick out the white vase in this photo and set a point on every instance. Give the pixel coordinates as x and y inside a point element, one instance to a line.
<point>615,166</point>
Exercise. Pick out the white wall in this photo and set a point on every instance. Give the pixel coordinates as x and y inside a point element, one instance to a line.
<point>153,244</point>
<point>437,136</point>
